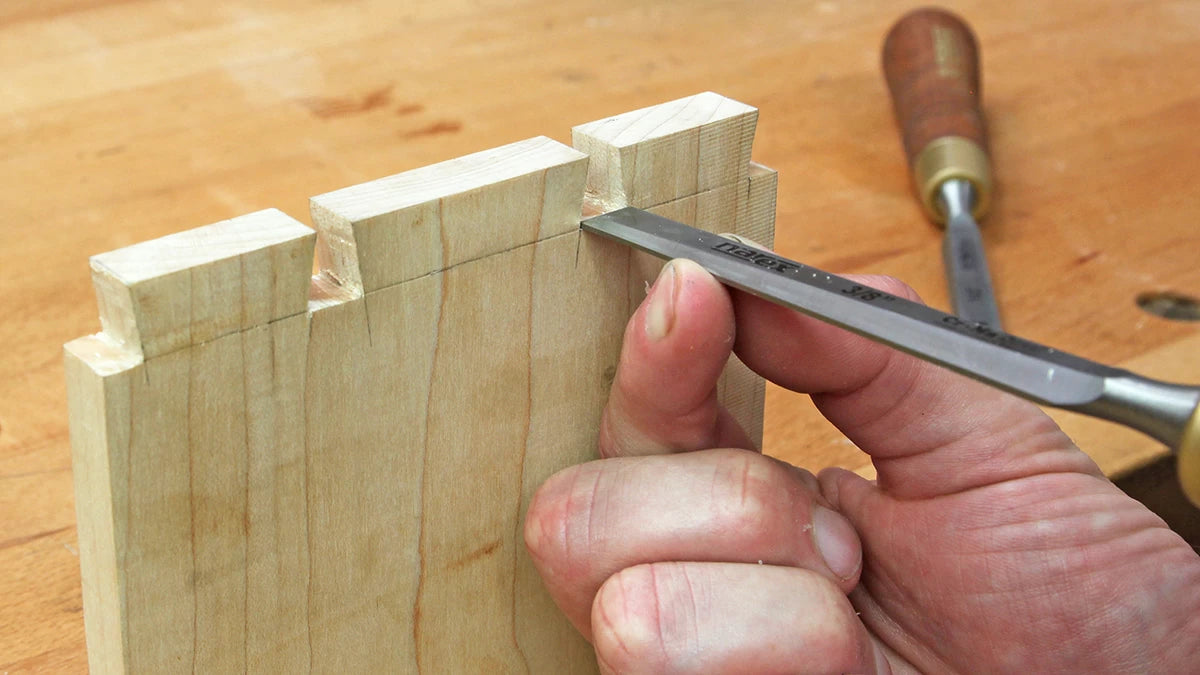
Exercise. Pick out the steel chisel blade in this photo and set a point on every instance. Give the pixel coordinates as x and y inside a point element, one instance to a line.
<point>1033,371</point>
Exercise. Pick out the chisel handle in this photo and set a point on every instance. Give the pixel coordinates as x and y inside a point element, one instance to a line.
<point>931,63</point>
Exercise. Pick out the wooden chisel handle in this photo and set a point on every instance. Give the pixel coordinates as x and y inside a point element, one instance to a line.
<point>931,62</point>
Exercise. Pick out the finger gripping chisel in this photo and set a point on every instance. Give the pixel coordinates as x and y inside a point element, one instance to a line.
<point>1167,412</point>
<point>931,63</point>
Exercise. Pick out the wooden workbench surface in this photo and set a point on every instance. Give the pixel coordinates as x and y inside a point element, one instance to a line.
<point>123,120</point>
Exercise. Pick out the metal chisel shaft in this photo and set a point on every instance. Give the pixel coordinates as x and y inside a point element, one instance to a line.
<point>962,253</point>
<point>1167,412</point>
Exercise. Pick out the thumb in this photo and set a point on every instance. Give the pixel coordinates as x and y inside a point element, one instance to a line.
<point>929,431</point>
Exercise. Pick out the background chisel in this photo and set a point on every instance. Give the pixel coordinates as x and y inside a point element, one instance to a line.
<point>931,62</point>
<point>1167,412</point>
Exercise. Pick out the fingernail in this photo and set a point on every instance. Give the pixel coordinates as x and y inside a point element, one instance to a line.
<point>836,541</point>
<point>660,312</point>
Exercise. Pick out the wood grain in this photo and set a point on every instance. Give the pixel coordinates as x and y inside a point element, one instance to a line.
<point>187,458</point>
<point>124,121</point>
<point>155,298</point>
<point>281,472</point>
<point>420,408</point>
<point>689,160</point>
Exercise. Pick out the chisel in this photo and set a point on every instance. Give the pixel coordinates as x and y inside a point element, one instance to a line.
<point>1164,411</point>
<point>931,63</point>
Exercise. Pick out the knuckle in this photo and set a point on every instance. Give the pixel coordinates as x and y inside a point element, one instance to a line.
<point>744,486</point>
<point>838,636</point>
<point>621,431</point>
<point>626,621</point>
<point>542,519</point>
<point>557,523</point>
<point>616,438</point>
<point>757,503</point>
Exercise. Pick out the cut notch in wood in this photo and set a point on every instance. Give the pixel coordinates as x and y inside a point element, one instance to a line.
<point>270,491</point>
<point>198,285</point>
<point>401,227</point>
<point>658,154</point>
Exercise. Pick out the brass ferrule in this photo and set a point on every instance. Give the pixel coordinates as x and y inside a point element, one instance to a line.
<point>952,157</point>
<point>1188,462</point>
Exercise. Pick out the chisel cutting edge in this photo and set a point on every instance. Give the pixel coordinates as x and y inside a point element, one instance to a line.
<point>1164,411</point>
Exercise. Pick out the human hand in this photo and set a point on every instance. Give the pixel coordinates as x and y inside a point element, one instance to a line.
<point>988,544</point>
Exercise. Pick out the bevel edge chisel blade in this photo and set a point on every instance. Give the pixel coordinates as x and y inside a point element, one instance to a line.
<point>1041,374</point>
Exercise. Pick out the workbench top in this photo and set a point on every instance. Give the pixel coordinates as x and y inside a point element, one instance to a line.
<point>124,120</point>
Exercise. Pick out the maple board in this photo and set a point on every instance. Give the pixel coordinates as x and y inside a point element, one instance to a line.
<point>282,473</point>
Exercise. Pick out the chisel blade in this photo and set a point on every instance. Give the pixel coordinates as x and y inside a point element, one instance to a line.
<point>962,252</point>
<point>1033,371</point>
<point>967,273</point>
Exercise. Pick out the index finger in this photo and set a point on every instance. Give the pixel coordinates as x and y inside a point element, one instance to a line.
<point>929,431</point>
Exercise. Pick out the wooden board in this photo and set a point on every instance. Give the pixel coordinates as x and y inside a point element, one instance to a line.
<point>125,121</point>
<point>280,474</point>
<point>701,145</point>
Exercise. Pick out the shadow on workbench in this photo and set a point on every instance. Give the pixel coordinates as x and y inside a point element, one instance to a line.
<point>1157,486</point>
